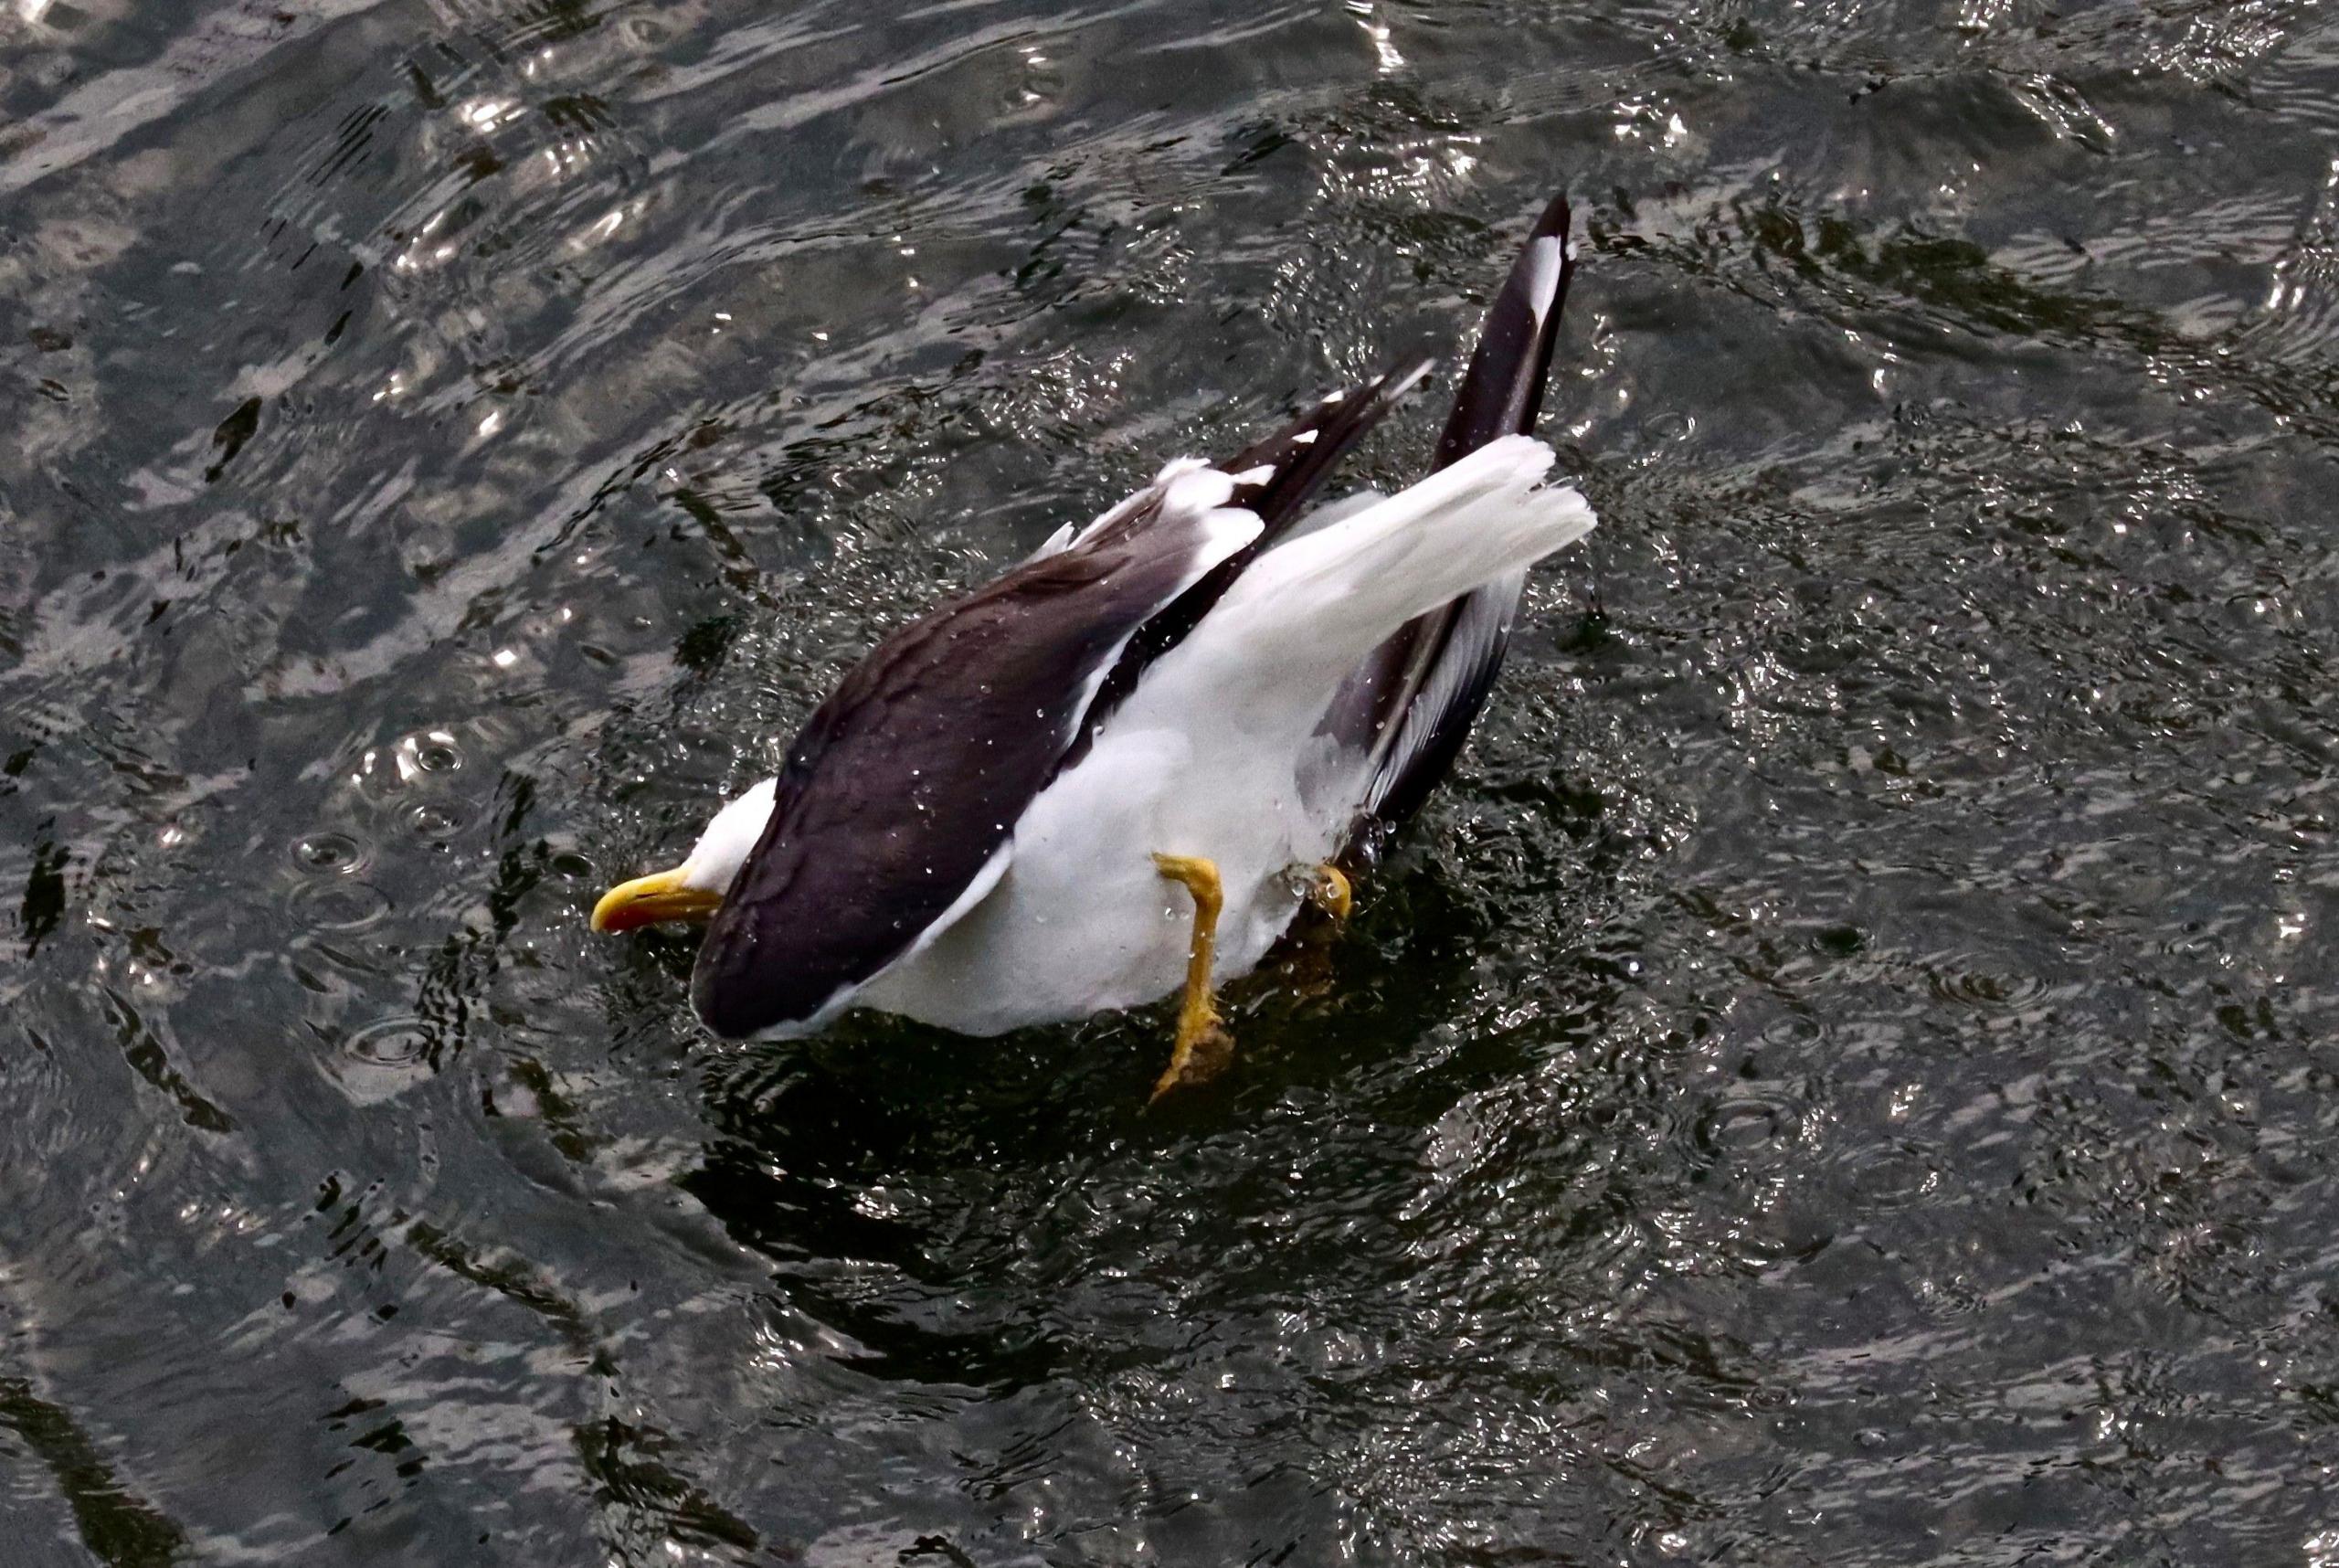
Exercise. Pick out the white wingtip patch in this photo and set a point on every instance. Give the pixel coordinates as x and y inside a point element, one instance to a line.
<point>1305,437</point>
<point>1054,544</point>
<point>1197,489</point>
<point>1544,257</point>
<point>1177,466</point>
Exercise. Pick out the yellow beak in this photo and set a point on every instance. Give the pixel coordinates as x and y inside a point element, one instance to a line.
<point>647,900</point>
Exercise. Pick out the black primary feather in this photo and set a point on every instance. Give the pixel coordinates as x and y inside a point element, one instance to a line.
<point>1299,457</point>
<point>1416,698</point>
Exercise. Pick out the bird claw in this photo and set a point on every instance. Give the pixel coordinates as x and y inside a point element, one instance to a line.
<point>1328,890</point>
<point>1205,1048</point>
<point>1203,1052</point>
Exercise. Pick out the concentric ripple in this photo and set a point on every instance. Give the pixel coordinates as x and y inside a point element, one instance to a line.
<point>1844,1073</point>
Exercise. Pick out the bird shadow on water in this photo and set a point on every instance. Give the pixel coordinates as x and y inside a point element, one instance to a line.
<point>877,1095</point>
<point>873,1170</point>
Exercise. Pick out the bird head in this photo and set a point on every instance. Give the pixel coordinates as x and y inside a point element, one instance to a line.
<point>693,890</point>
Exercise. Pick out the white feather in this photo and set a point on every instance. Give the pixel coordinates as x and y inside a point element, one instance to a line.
<point>1332,512</point>
<point>723,848</point>
<point>1325,599</point>
<point>1544,257</point>
<point>1161,484</point>
<point>1054,544</point>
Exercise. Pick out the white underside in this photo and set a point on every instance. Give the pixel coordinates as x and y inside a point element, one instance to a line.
<point>1082,922</point>
<point>1216,755</point>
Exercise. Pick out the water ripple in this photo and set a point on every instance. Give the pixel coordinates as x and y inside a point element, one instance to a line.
<point>1844,1070</point>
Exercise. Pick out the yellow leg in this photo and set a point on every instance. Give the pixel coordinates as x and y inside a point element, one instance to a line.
<point>1203,1047</point>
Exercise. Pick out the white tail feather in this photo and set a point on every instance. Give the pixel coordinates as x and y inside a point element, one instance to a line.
<point>1330,595</point>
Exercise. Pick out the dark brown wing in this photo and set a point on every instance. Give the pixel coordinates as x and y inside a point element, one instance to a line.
<point>907,780</point>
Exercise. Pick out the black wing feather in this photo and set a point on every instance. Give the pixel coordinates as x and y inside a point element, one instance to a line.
<point>910,777</point>
<point>1299,457</point>
<point>1500,395</point>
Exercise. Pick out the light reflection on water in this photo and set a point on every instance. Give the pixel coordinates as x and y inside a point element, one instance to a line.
<point>1844,1072</point>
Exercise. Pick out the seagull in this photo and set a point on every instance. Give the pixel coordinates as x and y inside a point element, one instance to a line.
<point>1121,770</point>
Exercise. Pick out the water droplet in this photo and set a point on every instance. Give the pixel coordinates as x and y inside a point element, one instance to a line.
<point>384,769</point>
<point>328,854</point>
<point>1892,1175</point>
<point>392,1043</point>
<point>1958,978</point>
<point>1743,1125</point>
<point>339,904</point>
<point>438,754</point>
<point>435,821</point>
<point>383,1059</point>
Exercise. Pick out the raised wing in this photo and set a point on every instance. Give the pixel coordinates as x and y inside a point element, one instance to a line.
<point>1413,700</point>
<point>1275,478</point>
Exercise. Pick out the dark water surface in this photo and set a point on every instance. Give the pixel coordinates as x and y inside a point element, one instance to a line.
<point>1850,1074</point>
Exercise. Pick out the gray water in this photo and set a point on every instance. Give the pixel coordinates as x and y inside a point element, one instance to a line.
<point>1846,1074</point>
